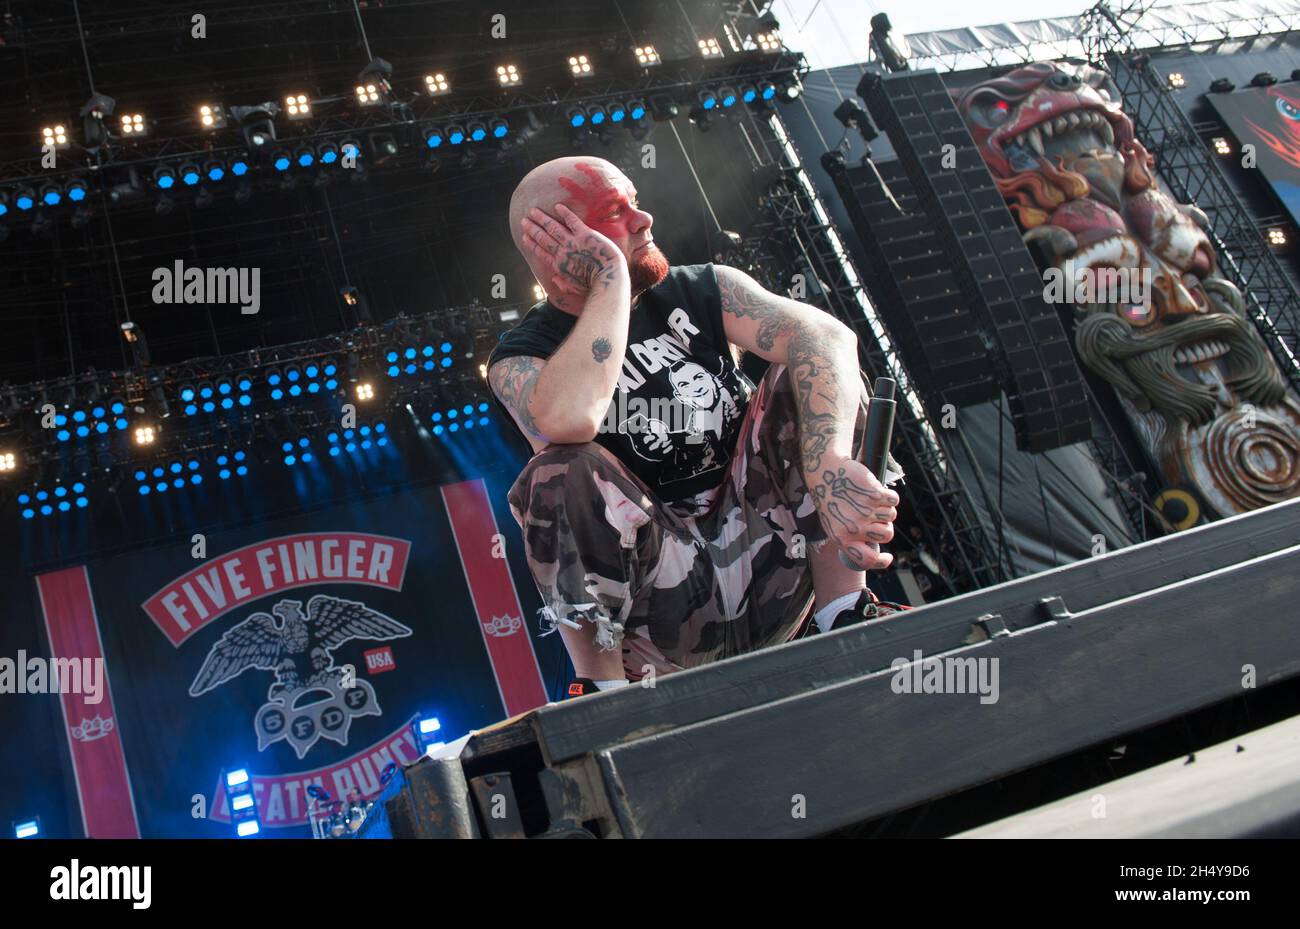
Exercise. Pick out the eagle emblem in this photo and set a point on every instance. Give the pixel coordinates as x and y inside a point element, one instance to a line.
<point>311,698</point>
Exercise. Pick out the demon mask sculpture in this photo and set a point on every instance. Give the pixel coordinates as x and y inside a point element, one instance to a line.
<point>1192,372</point>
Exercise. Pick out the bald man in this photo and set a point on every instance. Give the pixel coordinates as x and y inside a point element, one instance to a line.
<point>673,513</point>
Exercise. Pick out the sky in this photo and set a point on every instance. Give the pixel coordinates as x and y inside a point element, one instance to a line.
<point>834,32</point>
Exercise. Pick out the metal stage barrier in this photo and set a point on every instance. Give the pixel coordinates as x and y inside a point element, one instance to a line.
<point>814,735</point>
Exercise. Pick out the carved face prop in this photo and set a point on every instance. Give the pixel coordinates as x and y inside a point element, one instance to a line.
<point>1064,155</point>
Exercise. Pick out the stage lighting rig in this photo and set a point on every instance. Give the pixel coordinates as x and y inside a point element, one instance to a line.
<point>1176,80</point>
<point>297,107</point>
<point>8,462</point>
<point>373,87</point>
<point>92,120</point>
<point>134,126</point>
<point>51,195</point>
<point>647,56</point>
<point>55,136</point>
<point>768,42</point>
<point>436,85</point>
<point>508,75</point>
<point>893,51</point>
<point>663,108</point>
<point>709,48</point>
<point>580,66</point>
<point>212,116</point>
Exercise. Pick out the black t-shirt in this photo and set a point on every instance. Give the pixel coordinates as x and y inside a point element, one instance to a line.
<point>676,409</point>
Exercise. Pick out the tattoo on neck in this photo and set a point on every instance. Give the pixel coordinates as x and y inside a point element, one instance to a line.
<point>601,349</point>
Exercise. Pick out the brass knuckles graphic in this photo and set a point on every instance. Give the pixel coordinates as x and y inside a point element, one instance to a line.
<point>303,726</point>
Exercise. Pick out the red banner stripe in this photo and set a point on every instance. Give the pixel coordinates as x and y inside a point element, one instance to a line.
<point>98,761</point>
<point>496,600</point>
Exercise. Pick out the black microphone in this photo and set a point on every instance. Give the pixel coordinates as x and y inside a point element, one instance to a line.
<point>880,430</point>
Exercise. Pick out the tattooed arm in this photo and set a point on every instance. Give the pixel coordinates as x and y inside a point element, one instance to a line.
<point>565,399</point>
<point>821,354</point>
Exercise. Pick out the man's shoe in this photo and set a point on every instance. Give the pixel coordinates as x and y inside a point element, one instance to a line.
<point>868,607</point>
<point>580,687</point>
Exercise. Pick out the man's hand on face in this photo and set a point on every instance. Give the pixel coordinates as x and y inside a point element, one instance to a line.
<point>579,257</point>
<point>856,510</point>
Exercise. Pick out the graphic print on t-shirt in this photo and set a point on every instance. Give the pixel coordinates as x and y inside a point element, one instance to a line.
<point>687,438</point>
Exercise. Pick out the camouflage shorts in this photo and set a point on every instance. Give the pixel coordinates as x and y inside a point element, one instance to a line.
<point>675,591</point>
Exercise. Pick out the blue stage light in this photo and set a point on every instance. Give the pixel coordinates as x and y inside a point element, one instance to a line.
<point>453,427</point>
<point>295,390</point>
<point>144,490</point>
<point>483,407</point>
<point>239,456</point>
<point>63,435</point>
<point>393,371</point>
<point>289,459</point>
<point>277,394</point>
<point>437,430</point>
<point>24,202</point>
<point>429,365</point>
<point>453,413</point>
<point>209,406</point>
<point>216,173</point>
<point>227,403</point>
<point>292,374</point>
<point>187,394</point>
<point>27,829</point>
<point>334,450</point>
<point>236,777</point>
<point>446,361</point>
<point>241,470</point>
<point>281,162</point>
<point>455,135</point>
<point>444,347</point>
<point>60,491</point>
<point>350,447</point>
<point>380,427</point>
<point>245,384</point>
<point>483,421</point>
<point>120,424</point>
<point>239,168</point>
<point>28,514</point>
<point>42,495</point>
<point>83,431</point>
<point>305,159</point>
<point>178,483</point>
<point>224,474</point>
<point>64,506</point>
<point>436,417</point>
<point>24,499</point>
<point>76,191</point>
<point>499,128</point>
<point>411,368</point>
<point>51,197</point>
<point>196,478</point>
<point>47,510</point>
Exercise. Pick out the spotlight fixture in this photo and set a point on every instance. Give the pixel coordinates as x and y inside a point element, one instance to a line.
<point>576,116</point>
<point>164,178</point>
<point>647,56</point>
<point>7,461</point>
<point>455,134</point>
<point>367,94</point>
<point>853,116</point>
<point>1263,79</point>
<point>365,391</point>
<point>1277,236</point>
<point>507,75</point>
<point>1221,85</point>
<point>499,128</point>
<point>190,174</point>
<point>214,171</point>
<point>327,153</point>
<point>76,191</point>
<point>727,96</point>
<point>25,199</point>
<point>92,115</point>
<point>709,48</point>
<point>477,131</point>
<point>1221,145</point>
<point>297,107</point>
<point>892,50</point>
<point>134,337</point>
<point>258,123</point>
<point>212,116</point>
<point>708,99</point>
<point>579,66</point>
<point>663,108</point>
<point>436,84</point>
<point>768,42</point>
<point>791,89</point>
<point>372,82</point>
<point>54,136</point>
<point>596,115</point>
<point>133,124</point>
<point>145,435</point>
<point>51,194</point>
<point>1176,80</point>
<point>433,137</point>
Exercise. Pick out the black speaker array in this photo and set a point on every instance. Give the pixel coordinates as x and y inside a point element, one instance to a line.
<point>998,288</point>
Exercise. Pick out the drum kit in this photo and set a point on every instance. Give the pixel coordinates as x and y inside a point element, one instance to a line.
<point>335,819</point>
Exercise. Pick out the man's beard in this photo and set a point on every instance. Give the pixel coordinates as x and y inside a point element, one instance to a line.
<point>647,269</point>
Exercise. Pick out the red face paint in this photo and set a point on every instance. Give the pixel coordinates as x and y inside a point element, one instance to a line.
<point>606,207</point>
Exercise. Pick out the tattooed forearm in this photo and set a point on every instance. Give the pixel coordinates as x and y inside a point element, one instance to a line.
<point>514,380</point>
<point>821,370</point>
<point>601,349</point>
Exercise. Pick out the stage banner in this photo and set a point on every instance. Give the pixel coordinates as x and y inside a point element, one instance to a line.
<point>303,650</point>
